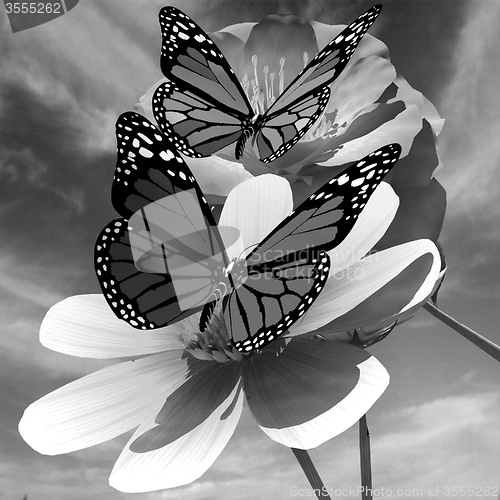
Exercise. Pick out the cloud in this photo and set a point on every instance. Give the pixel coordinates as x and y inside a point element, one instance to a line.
<point>457,435</point>
<point>469,104</point>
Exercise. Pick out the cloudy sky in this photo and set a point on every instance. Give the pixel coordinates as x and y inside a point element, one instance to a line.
<point>62,86</point>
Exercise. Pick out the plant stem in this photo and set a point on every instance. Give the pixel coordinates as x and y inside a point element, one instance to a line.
<point>311,473</point>
<point>365,459</point>
<point>483,343</point>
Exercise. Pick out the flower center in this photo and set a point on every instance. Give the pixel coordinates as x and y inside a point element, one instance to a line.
<point>214,343</point>
<point>263,91</point>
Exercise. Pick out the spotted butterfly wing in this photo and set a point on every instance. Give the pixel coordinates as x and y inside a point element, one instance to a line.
<point>203,108</point>
<point>302,239</point>
<point>146,294</point>
<point>147,170</point>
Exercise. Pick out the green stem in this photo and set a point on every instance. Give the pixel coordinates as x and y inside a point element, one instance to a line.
<point>365,460</point>
<point>483,343</point>
<point>311,473</point>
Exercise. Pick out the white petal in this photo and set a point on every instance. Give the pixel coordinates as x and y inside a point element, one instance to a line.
<point>371,225</point>
<point>102,405</point>
<point>369,385</point>
<point>182,461</point>
<point>359,86</point>
<point>216,175</point>
<point>85,326</point>
<point>346,290</point>
<point>402,129</point>
<point>256,207</point>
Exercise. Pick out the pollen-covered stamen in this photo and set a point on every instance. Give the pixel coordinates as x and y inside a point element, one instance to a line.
<point>305,58</point>
<point>214,343</point>
<point>321,128</point>
<point>282,75</point>
<point>261,92</point>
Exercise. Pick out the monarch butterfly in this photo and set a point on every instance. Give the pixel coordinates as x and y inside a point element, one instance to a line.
<point>207,107</point>
<point>263,293</point>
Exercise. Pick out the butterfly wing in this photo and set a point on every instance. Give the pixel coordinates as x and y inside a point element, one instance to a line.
<point>303,101</point>
<point>207,108</point>
<point>273,298</point>
<point>324,220</point>
<point>195,126</point>
<point>262,308</point>
<point>144,300</point>
<point>146,293</point>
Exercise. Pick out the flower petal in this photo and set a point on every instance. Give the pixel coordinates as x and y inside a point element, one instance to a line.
<point>239,30</point>
<point>420,215</point>
<point>256,207</point>
<point>416,169</point>
<point>85,326</point>
<point>311,391</point>
<point>276,38</point>
<point>369,228</point>
<point>230,45</point>
<point>216,175</point>
<point>102,405</point>
<point>373,331</point>
<point>406,93</point>
<point>413,286</point>
<point>402,129</point>
<point>369,45</point>
<point>183,460</point>
<point>357,283</point>
<point>206,388</point>
<point>359,86</point>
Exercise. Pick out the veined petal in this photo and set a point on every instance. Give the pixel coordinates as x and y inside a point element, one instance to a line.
<point>183,460</point>
<point>207,387</point>
<point>402,129</point>
<point>85,326</point>
<point>414,285</point>
<point>102,405</point>
<point>256,207</point>
<point>368,230</point>
<point>311,391</point>
<point>355,284</point>
<point>359,86</point>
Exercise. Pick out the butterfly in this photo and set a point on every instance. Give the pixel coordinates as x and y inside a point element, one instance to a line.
<point>262,294</point>
<point>203,108</point>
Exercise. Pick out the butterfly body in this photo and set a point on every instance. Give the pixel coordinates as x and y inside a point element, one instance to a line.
<point>203,108</point>
<point>175,274</point>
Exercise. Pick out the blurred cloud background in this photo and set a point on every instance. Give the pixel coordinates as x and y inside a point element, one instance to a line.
<point>62,86</point>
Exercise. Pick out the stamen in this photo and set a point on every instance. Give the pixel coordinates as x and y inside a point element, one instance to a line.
<point>214,343</point>
<point>272,98</point>
<point>257,97</point>
<point>268,94</point>
<point>282,75</point>
<point>245,84</point>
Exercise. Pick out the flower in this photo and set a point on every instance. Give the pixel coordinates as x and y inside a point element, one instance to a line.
<point>185,394</point>
<point>370,106</point>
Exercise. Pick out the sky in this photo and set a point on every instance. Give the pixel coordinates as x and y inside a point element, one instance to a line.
<point>62,86</point>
